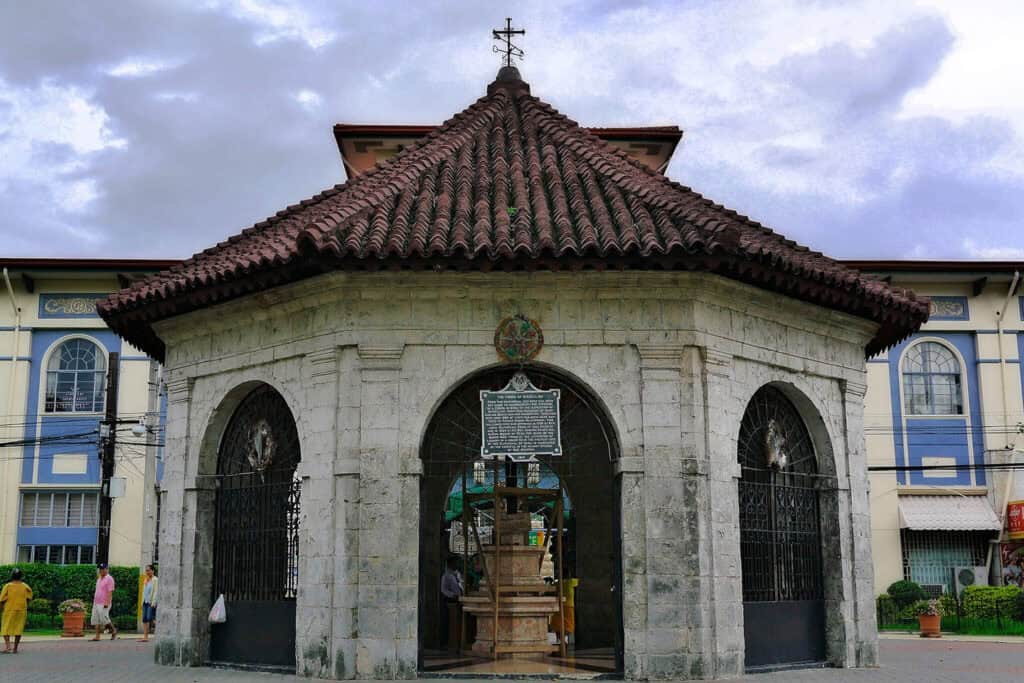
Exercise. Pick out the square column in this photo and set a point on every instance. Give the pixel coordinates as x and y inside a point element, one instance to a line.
<point>722,416</point>
<point>183,637</point>
<point>675,618</point>
<point>388,538</point>
<point>313,604</point>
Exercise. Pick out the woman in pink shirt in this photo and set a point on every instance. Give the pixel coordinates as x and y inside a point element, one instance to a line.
<point>101,601</point>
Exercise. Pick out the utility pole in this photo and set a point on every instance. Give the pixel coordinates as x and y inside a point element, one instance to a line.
<point>149,492</point>
<point>108,440</point>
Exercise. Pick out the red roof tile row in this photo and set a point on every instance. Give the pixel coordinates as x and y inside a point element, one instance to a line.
<point>508,183</point>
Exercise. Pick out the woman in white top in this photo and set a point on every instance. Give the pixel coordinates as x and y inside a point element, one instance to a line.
<point>149,600</point>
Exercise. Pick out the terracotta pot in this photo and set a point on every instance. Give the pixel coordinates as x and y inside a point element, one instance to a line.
<point>74,622</point>
<point>930,625</point>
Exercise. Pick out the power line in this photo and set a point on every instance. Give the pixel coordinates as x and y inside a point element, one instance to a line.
<point>1008,467</point>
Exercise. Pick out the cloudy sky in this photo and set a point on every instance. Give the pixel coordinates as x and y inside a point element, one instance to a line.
<point>881,129</point>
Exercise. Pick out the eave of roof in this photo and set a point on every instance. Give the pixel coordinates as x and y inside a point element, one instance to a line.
<point>97,264</point>
<point>933,266</point>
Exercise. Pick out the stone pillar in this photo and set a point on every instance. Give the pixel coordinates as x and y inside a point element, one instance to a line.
<point>721,422</point>
<point>175,639</point>
<point>385,549</point>
<point>630,471</point>
<point>671,505</point>
<point>345,618</point>
<point>861,595</point>
<point>313,608</point>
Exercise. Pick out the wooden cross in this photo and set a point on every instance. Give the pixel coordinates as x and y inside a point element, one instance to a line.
<point>506,34</point>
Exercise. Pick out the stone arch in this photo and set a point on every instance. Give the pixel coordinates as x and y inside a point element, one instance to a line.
<point>830,470</point>
<point>205,476</point>
<point>602,452</point>
<point>215,419</point>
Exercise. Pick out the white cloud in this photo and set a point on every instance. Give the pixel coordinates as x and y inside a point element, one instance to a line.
<point>175,96</point>
<point>978,75</point>
<point>308,99</point>
<point>138,67</point>
<point>47,134</point>
<point>1004,252</point>
<point>281,20</point>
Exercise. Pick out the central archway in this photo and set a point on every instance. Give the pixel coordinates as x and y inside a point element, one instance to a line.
<point>586,471</point>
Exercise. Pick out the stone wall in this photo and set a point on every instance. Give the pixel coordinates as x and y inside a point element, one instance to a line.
<point>364,359</point>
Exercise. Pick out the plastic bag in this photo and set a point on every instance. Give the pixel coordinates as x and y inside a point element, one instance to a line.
<point>218,613</point>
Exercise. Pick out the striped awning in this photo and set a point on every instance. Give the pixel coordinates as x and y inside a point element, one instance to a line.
<point>948,513</point>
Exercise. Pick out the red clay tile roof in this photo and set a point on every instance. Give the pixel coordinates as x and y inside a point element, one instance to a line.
<point>507,184</point>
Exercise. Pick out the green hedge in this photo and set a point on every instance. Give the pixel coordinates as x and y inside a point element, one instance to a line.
<point>59,582</point>
<point>988,602</point>
<point>906,593</point>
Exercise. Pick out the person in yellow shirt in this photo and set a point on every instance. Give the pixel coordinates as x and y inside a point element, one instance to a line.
<point>568,591</point>
<point>14,600</point>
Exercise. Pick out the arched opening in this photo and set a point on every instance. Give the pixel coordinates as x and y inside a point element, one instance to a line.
<point>256,521</point>
<point>592,531</point>
<point>780,535</point>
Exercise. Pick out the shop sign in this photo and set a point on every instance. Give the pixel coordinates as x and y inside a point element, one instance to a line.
<point>1015,520</point>
<point>1011,557</point>
<point>520,421</point>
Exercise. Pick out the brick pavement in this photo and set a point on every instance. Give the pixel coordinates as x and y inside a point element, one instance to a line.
<point>125,661</point>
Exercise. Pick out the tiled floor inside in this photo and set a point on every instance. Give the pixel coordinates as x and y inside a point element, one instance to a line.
<point>581,663</point>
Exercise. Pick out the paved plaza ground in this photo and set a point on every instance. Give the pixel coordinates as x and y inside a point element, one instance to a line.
<point>903,659</point>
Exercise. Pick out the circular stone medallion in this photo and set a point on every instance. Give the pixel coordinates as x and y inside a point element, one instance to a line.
<point>518,339</point>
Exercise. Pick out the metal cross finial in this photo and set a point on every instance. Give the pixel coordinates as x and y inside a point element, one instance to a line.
<point>506,34</point>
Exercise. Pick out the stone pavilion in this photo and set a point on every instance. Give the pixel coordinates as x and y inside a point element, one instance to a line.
<point>324,368</point>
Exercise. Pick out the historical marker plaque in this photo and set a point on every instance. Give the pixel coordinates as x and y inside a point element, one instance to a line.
<point>520,421</point>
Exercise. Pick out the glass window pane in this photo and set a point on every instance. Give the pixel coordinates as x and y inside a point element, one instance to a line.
<point>931,380</point>
<point>25,554</point>
<point>28,509</point>
<point>87,554</point>
<point>75,378</point>
<point>90,509</point>
<point>916,395</point>
<point>60,509</point>
<point>44,503</point>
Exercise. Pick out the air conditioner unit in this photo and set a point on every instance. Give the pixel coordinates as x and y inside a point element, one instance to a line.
<point>969,576</point>
<point>934,590</point>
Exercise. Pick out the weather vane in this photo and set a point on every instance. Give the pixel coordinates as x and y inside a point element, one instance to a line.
<point>509,50</point>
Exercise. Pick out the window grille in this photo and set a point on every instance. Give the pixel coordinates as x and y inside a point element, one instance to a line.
<point>75,378</point>
<point>932,381</point>
<point>533,474</point>
<point>59,509</point>
<point>479,473</point>
<point>57,554</point>
<point>931,556</point>
<point>780,535</point>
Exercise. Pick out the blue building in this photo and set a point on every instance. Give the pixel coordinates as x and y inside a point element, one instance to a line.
<point>54,362</point>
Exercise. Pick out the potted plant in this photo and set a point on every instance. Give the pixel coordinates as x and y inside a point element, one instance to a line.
<point>73,613</point>
<point>929,617</point>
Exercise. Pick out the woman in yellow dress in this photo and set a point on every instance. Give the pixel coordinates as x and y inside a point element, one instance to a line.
<point>14,600</point>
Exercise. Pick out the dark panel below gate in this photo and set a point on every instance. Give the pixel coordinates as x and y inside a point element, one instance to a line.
<point>258,633</point>
<point>779,633</point>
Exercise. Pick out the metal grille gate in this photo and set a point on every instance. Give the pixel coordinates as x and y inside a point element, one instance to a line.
<point>255,558</point>
<point>780,537</point>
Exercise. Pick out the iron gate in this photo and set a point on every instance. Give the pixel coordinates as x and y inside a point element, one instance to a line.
<point>256,539</point>
<point>780,536</point>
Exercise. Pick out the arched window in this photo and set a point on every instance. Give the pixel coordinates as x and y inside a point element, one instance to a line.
<point>75,378</point>
<point>931,380</point>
